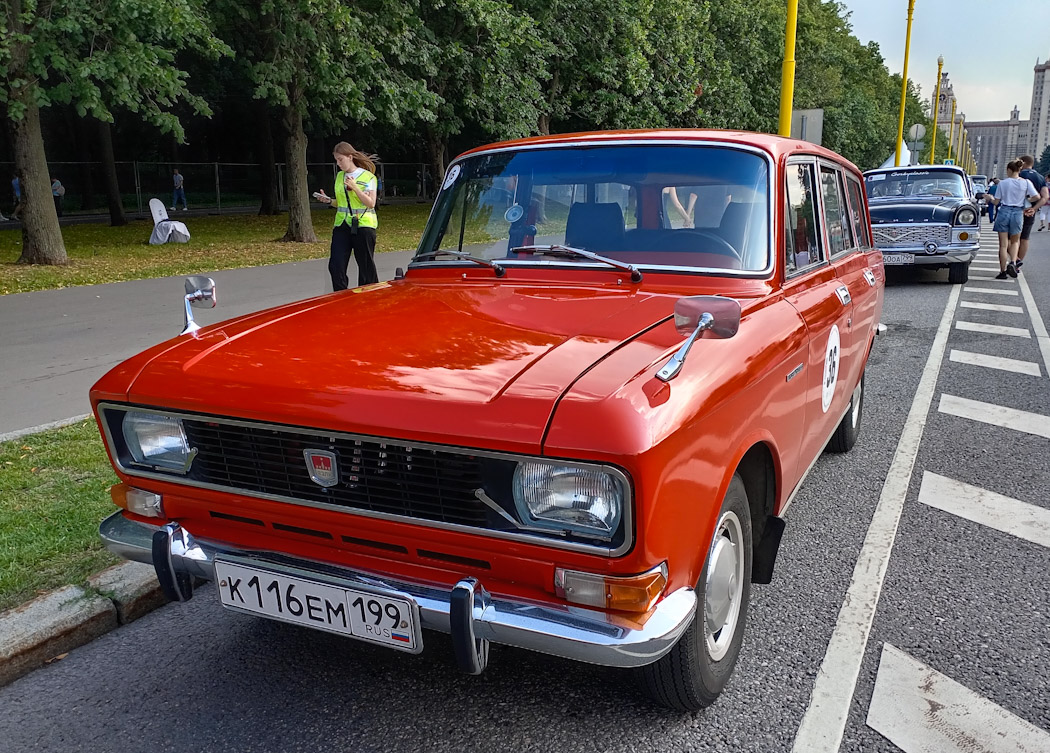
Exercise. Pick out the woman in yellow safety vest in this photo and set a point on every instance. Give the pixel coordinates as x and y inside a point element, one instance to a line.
<point>355,224</point>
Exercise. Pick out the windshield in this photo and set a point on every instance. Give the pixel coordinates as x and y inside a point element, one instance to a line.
<point>979,181</point>
<point>650,205</point>
<point>915,183</point>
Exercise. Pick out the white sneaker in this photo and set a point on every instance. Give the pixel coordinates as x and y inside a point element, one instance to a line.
<point>173,209</point>
<point>185,209</point>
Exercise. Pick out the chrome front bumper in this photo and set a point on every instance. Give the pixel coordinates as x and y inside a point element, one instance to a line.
<point>953,254</point>
<point>467,612</point>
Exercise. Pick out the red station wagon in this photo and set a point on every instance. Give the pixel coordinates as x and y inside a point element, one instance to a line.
<point>574,424</point>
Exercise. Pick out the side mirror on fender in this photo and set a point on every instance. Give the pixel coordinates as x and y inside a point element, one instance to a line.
<point>695,317</point>
<point>200,292</point>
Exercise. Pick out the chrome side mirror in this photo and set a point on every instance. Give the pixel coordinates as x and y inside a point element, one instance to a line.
<point>200,292</point>
<point>696,315</point>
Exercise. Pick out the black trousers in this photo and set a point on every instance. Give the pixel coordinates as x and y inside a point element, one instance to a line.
<point>362,244</point>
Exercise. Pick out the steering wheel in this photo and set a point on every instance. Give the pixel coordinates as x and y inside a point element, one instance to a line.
<point>721,245</point>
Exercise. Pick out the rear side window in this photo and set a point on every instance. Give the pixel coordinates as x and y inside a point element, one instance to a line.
<point>801,231</point>
<point>837,220</point>
<point>860,220</point>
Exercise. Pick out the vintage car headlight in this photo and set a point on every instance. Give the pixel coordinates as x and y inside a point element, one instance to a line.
<point>966,216</point>
<point>156,440</point>
<point>585,501</point>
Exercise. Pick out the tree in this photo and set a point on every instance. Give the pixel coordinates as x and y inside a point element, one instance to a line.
<point>1043,165</point>
<point>100,56</point>
<point>317,61</point>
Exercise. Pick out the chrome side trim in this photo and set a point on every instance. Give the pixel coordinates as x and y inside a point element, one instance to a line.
<point>620,474</point>
<point>571,632</point>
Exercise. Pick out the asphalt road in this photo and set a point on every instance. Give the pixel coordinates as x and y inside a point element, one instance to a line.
<point>967,600</point>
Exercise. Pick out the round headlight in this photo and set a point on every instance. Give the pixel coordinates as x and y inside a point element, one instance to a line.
<point>153,439</point>
<point>966,217</point>
<point>585,501</point>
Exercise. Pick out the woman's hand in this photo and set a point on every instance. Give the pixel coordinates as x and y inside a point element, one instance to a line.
<point>322,197</point>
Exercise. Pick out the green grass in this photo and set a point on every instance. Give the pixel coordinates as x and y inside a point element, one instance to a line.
<point>99,253</point>
<point>54,490</point>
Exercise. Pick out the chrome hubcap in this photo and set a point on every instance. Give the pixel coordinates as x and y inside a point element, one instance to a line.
<point>855,402</point>
<point>724,585</point>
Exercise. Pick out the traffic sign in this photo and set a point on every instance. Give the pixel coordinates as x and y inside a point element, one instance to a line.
<point>916,132</point>
<point>949,162</point>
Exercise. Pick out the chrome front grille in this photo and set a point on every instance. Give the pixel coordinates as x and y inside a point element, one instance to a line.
<point>911,235</point>
<point>377,476</point>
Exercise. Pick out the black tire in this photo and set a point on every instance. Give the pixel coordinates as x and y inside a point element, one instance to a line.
<point>848,430</point>
<point>958,273</point>
<point>689,677</point>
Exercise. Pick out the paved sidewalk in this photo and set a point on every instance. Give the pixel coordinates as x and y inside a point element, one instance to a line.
<point>57,343</point>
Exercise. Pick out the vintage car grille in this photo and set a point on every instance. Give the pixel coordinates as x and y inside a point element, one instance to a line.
<point>911,235</point>
<point>373,475</point>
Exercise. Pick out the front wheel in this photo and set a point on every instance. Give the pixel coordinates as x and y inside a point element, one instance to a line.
<point>958,273</point>
<point>693,674</point>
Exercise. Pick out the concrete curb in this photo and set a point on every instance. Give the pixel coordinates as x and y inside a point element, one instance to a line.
<point>40,631</point>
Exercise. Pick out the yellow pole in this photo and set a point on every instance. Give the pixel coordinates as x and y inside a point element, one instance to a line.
<point>936,108</point>
<point>962,124</point>
<point>904,86</point>
<point>787,70</point>
<point>951,131</point>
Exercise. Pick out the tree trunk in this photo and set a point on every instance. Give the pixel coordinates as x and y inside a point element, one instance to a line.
<point>117,217</point>
<point>267,161</point>
<point>300,223</point>
<point>436,153</point>
<point>41,235</point>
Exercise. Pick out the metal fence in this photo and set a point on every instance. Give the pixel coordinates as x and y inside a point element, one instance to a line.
<point>214,186</point>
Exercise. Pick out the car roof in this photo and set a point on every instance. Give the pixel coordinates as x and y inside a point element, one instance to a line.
<point>916,168</point>
<point>776,146</point>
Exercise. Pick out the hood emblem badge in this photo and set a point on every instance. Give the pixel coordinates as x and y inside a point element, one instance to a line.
<point>930,247</point>
<point>323,467</point>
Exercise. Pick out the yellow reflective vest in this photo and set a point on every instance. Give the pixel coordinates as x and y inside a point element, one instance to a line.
<point>347,203</point>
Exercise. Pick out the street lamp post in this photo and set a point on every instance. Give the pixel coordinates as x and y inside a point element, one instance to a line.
<point>936,108</point>
<point>904,86</point>
<point>951,130</point>
<point>787,70</point>
<point>962,128</point>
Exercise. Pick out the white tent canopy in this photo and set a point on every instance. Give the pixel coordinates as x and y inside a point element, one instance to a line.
<point>892,159</point>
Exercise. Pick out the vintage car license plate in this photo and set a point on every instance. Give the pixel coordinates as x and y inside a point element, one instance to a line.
<point>378,619</point>
<point>898,258</point>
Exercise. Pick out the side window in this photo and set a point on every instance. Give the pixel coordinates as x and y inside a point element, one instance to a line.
<point>836,214</point>
<point>861,230</point>
<point>801,231</point>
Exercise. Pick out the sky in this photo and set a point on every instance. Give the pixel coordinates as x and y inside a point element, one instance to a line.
<point>989,47</point>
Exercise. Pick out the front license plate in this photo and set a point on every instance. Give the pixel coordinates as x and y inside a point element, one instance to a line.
<point>389,621</point>
<point>898,258</point>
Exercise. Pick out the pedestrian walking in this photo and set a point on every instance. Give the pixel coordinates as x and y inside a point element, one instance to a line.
<point>57,192</point>
<point>1012,198</point>
<point>16,188</point>
<point>356,221</point>
<point>1044,211</point>
<point>179,182</point>
<point>1029,219</point>
<point>993,186</point>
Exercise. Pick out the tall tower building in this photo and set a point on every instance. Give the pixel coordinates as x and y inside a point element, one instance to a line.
<point>996,142</point>
<point>1039,120</point>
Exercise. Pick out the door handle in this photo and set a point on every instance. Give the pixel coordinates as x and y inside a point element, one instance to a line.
<point>870,277</point>
<point>843,293</point>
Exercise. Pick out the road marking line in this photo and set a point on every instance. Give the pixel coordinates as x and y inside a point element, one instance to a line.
<point>1041,337</point>
<point>42,427</point>
<point>993,329</point>
<point>920,710</point>
<point>991,291</point>
<point>996,415</point>
<point>982,277</point>
<point>824,722</point>
<point>995,362</point>
<point>992,307</point>
<point>1006,514</point>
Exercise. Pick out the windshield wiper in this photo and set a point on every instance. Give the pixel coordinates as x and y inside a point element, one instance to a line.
<point>556,249</point>
<point>497,268</point>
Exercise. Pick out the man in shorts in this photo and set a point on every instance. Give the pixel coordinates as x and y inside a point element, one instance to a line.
<point>1029,217</point>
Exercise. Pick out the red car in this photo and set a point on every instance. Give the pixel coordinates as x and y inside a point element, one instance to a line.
<point>574,424</point>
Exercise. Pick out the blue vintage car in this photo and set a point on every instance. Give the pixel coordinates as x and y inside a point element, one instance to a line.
<point>925,215</point>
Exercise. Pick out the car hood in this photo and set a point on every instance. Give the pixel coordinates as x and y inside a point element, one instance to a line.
<point>415,360</point>
<point>915,209</point>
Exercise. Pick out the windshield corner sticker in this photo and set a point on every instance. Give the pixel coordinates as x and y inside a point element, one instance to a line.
<point>453,173</point>
<point>514,213</point>
<point>877,176</point>
<point>831,368</point>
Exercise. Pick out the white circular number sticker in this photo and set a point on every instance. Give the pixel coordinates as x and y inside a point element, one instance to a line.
<point>831,368</point>
<point>514,213</point>
<point>453,173</point>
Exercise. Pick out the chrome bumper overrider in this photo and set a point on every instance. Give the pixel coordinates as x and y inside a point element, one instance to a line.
<point>471,615</point>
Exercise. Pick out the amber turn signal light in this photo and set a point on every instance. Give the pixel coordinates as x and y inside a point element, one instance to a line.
<point>631,593</point>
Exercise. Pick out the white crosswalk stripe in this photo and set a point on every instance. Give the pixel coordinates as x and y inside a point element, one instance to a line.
<point>996,415</point>
<point>921,710</point>
<point>995,362</point>
<point>1006,514</point>
<point>989,291</point>
<point>983,277</point>
<point>993,329</point>
<point>992,307</point>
